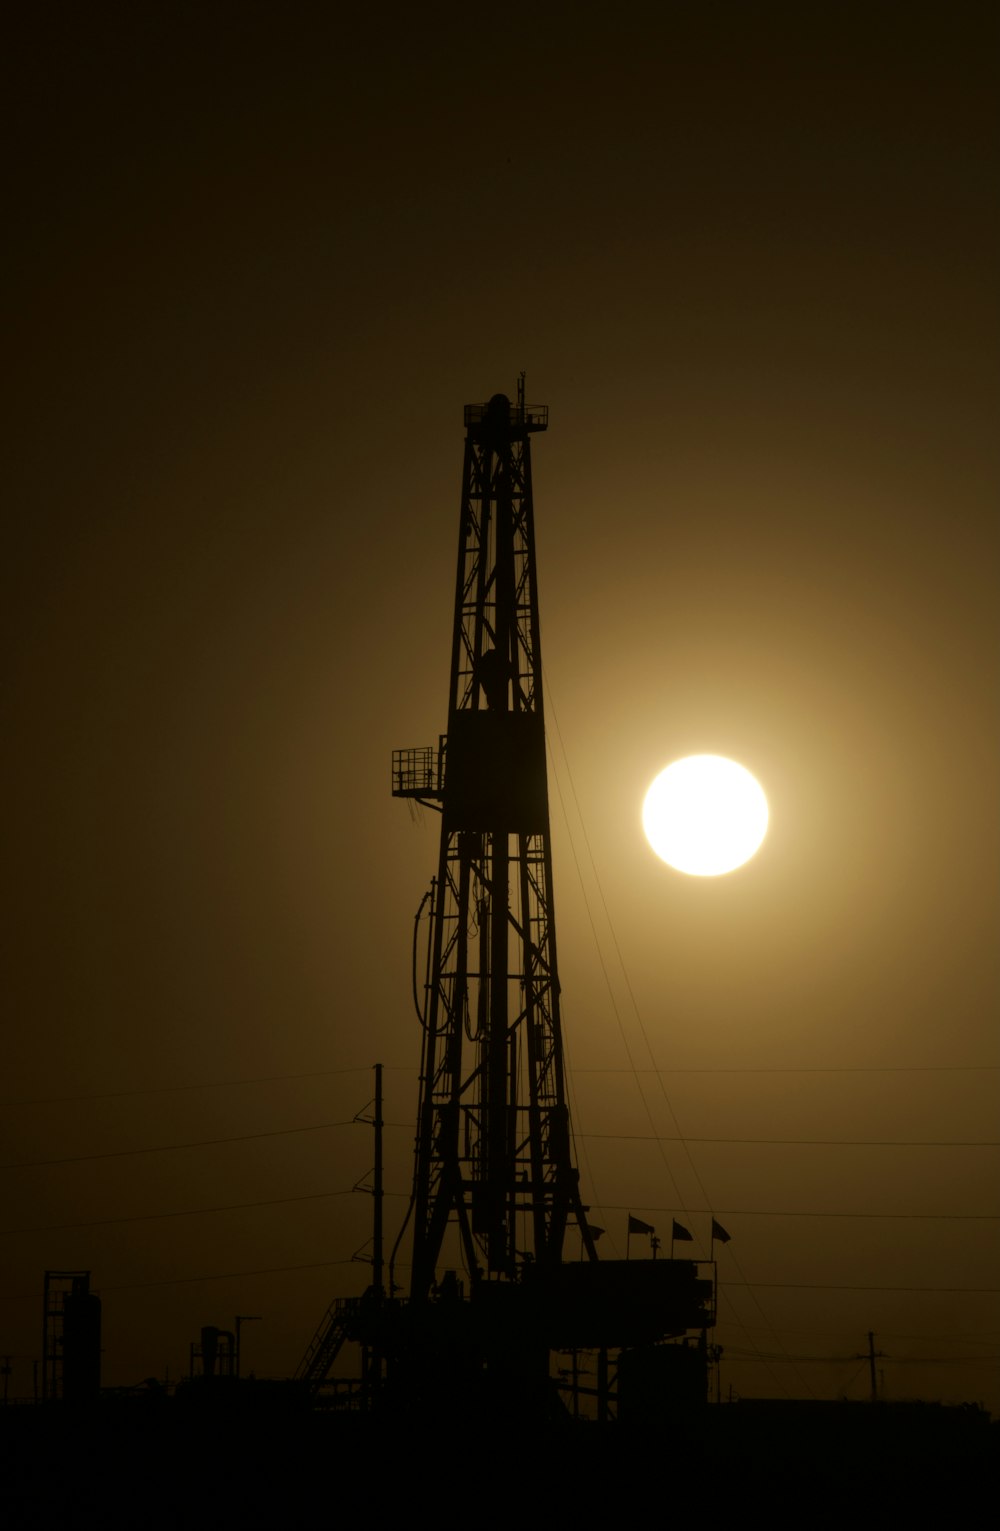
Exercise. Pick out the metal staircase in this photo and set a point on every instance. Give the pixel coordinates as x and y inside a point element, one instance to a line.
<point>337,1325</point>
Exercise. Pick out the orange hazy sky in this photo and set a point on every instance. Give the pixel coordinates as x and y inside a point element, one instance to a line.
<point>258,259</point>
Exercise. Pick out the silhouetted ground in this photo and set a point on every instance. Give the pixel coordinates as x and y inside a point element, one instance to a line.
<point>154,1462</point>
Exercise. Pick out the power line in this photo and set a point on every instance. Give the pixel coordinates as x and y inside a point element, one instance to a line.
<point>623,1137</point>
<point>282,1201</point>
<point>398,1068</point>
<point>165,1148</point>
<point>645,1137</point>
<point>206,1084</point>
<point>792,1286</point>
<point>755,1355</point>
<point>734,1353</point>
<point>154,1217</point>
<point>979,1341</point>
<point>929,1217</point>
<point>942,1360</point>
<point>888,1068</point>
<point>268,1270</point>
<point>827,1286</point>
<point>274,1270</point>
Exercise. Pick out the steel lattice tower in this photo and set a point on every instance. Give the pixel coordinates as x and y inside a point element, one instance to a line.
<point>493,1144</point>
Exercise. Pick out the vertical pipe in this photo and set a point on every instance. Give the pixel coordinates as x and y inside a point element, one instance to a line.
<point>871,1365</point>
<point>377,1253</point>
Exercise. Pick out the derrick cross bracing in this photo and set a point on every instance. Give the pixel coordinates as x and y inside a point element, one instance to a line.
<point>493,1143</point>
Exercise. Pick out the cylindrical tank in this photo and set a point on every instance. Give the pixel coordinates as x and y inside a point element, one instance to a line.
<point>81,1345</point>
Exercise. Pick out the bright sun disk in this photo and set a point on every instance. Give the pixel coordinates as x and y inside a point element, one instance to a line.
<point>705,815</point>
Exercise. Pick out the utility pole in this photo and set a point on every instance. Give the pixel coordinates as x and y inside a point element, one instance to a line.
<point>871,1355</point>
<point>374,1358</point>
<point>379,1189</point>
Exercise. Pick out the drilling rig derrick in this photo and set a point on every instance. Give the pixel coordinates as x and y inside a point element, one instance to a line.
<point>493,1146</point>
<point>495,1190</point>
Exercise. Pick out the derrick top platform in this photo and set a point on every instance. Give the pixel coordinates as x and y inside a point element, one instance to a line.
<point>500,417</point>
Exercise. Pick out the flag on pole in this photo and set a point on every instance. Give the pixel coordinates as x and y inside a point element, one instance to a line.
<point>594,1231</point>
<point>680,1232</point>
<point>719,1234</point>
<point>636,1225</point>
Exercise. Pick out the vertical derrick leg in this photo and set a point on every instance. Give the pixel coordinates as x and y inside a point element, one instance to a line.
<point>535,1039</point>
<point>496,1094</point>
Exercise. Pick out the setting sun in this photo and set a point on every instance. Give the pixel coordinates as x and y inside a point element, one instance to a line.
<point>705,815</point>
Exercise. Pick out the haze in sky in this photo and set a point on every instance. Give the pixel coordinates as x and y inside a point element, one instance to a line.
<point>259,258</point>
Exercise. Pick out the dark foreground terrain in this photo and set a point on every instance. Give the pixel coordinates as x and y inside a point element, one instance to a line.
<point>262,1459</point>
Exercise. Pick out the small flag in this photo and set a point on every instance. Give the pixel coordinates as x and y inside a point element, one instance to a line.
<point>719,1234</point>
<point>680,1232</point>
<point>594,1231</point>
<point>636,1225</point>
